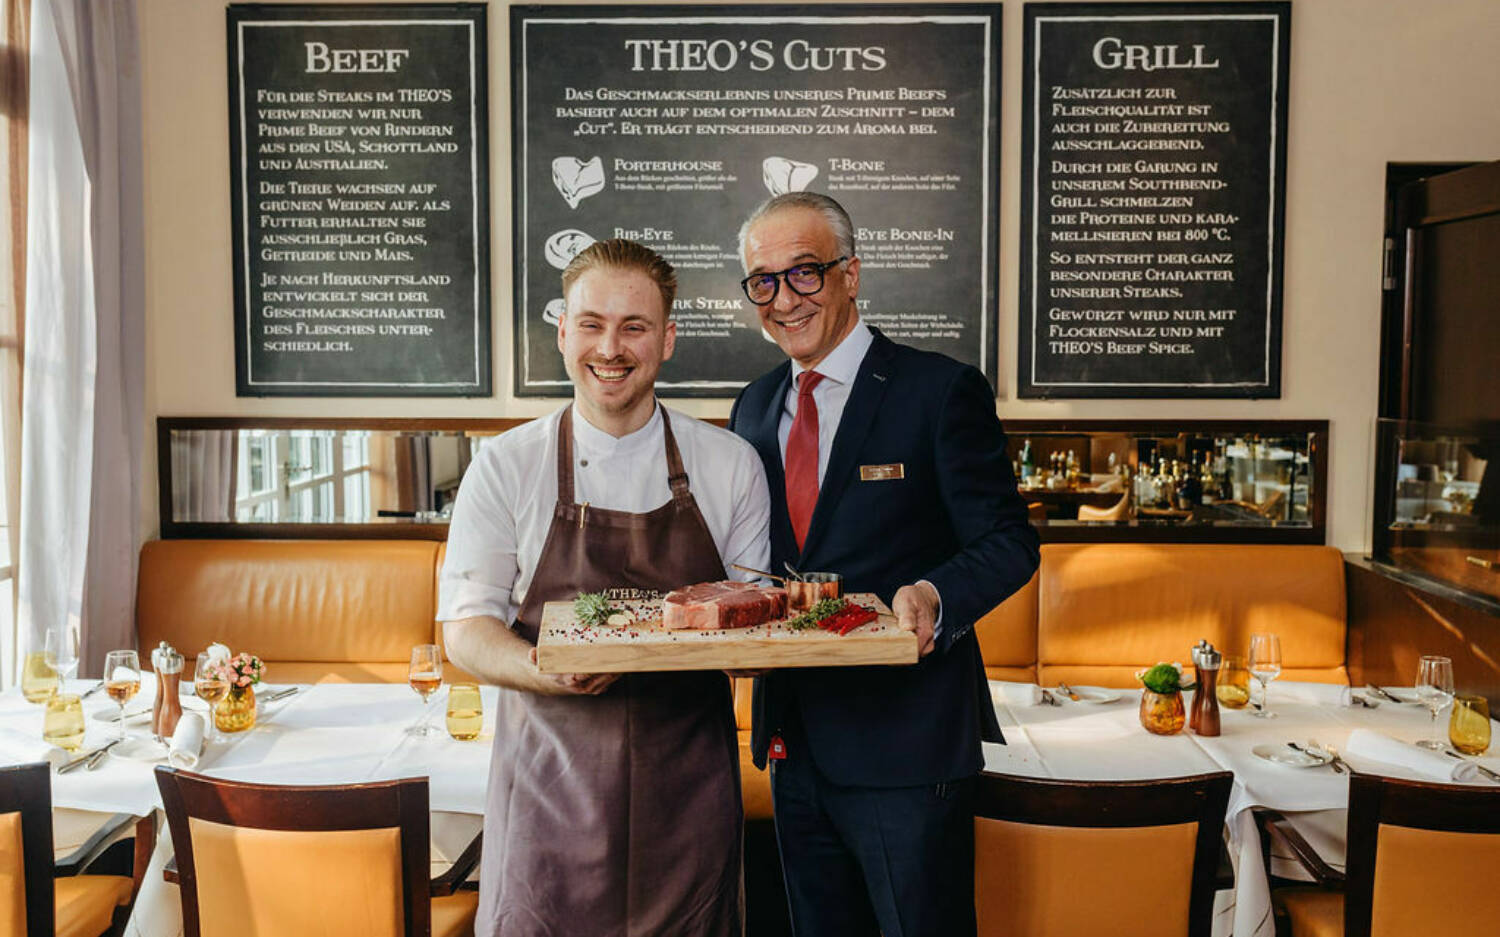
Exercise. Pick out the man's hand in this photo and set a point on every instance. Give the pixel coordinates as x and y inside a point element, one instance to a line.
<point>916,608</point>
<point>575,684</point>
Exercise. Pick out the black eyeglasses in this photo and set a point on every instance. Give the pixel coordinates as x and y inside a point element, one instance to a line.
<point>803,279</point>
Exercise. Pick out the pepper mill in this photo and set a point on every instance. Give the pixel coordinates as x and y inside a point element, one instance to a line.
<point>167,709</point>
<point>1206,699</point>
<point>1197,655</point>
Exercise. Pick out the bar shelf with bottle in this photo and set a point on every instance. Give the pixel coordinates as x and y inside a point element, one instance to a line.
<point>1194,481</point>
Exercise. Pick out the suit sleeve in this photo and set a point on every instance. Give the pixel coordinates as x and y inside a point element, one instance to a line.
<point>999,549</point>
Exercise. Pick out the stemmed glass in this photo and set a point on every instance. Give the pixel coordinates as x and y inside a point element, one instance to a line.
<point>210,685</point>
<point>425,675</point>
<point>122,681</point>
<point>1435,690</point>
<point>1265,666</point>
<point>62,647</point>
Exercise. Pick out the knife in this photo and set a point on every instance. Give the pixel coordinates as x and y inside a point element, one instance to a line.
<point>280,694</point>
<point>86,757</point>
<point>1067,691</point>
<point>1482,769</point>
<point>92,690</point>
<point>1381,693</point>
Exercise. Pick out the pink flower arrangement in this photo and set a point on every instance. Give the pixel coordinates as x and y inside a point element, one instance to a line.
<point>241,670</point>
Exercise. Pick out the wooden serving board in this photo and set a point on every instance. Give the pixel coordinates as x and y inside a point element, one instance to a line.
<point>565,646</point>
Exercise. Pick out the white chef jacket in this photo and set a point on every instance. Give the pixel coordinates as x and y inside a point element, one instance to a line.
<point>504,507</point>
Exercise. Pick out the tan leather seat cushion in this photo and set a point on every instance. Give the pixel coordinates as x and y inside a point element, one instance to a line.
<point>755,785</point>
<point>1433,882</point>
<point>1106,610</point>
<point>86,903</point>
<point>1007,636</point>
<point>453,915</point>
<point>1312,912</point>
<point>12,876</point>
<point>341,601</point>
<point>1031,879</point>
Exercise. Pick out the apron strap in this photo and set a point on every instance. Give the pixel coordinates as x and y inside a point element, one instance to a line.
<point>565,458</point>
<point>676,474</point>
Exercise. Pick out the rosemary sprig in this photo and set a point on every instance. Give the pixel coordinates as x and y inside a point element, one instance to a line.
<point>820,610</point>
<point>592,608</point>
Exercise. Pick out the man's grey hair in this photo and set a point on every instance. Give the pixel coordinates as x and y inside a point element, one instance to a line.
<point>832,212</point>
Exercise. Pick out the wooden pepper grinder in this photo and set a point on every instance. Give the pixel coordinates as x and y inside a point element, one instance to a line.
<point>167,710</point>
<point>1206,699</point>
<point>1197,653</point>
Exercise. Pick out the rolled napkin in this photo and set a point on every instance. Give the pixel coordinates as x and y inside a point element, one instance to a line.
<point>1376,746</point>
<point>1321,694</point>
<point>1016,694</point>
<point>17,747</point>
<point>187,742</point>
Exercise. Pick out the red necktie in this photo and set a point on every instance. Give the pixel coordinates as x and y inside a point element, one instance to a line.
<point>802,458</point>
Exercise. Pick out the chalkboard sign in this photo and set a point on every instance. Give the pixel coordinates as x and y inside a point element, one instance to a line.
<point>359,159</point>
<point>669,124</point>
<point>1153,199</point>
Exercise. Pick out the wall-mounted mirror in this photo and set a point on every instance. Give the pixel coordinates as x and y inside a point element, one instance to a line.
<point>313,478</point>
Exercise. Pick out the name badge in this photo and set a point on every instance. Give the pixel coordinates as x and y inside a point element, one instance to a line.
<point>881,473</point>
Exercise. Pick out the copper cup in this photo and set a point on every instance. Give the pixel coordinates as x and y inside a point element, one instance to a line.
<point>801,596</point>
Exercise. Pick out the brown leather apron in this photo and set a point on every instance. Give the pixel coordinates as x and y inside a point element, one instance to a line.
<point>616,815</point>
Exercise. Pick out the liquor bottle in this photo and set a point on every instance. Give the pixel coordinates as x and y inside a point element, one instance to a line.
<point>1190,492</point>
<point>1208,487</point>
<point>1028,461</point>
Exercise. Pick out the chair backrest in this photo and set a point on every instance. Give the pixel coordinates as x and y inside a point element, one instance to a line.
<point>1420,857</point>
<point>26,850</point>
<point>256,860</point>
<point>1098,857</point>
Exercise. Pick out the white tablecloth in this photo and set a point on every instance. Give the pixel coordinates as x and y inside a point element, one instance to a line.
<point>1091,741</point>
<point>326,734</point>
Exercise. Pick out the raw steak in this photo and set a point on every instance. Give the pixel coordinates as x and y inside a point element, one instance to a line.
<point>711,605</point>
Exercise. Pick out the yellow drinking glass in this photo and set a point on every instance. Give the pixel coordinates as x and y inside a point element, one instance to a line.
<point>1233,688</point>
<point>465,711</point>
<point>63,723</point>
<point>1469,725</point>
<point>38,678</point>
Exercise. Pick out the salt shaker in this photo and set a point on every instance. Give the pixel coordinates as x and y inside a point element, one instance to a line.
<point>167,709</point>
<point>1206,699</point>
<point>1197,654</point>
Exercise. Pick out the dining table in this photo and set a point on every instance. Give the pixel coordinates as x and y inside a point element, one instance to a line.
<point>319,734</point>
<point>350,733</point>
<point>1100,737</point>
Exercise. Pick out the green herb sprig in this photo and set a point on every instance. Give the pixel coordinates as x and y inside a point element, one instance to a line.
<point>593,608</point>
<point>820,610</point>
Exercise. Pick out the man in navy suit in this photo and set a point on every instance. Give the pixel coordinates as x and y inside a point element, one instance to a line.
<point>886,464</point>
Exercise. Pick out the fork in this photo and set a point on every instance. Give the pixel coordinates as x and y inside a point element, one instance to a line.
<point>1307,750</point>
<point>1482,769</point>
<point>1339,764</point>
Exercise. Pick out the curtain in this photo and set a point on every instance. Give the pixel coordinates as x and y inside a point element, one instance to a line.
<point>203,467</point>
<point>15,44</point>
<point>82,403</point>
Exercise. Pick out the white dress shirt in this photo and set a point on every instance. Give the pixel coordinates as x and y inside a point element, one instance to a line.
<point>839,369</point>
<point>504,507</point>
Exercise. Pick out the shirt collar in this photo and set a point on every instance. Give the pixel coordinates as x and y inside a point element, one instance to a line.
<point>599,443</point>
<point>842,364</point>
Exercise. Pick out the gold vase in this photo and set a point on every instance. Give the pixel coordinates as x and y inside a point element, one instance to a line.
<point>236,711</point>
<point>1162,713</point>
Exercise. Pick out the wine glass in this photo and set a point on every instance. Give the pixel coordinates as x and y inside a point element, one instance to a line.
<point>210,685</point>
<point>425,675</point>
<point>1265,666</point>
<point>1435,690</point>
<point>122,681</point>
<point>38,677</point>
<point>62,645</point>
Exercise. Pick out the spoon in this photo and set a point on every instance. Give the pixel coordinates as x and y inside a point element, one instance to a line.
<point>759,572</point>
<point>795,575</point>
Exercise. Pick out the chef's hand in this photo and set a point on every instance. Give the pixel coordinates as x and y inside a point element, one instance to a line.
<point>916,608</point>
<point>577,684</point>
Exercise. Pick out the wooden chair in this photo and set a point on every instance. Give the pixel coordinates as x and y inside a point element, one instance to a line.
<point>1419,861</point>
<point>38,897</point>
<point>257,860</point>
<point>1123,858</point>
<point>1119,511</point>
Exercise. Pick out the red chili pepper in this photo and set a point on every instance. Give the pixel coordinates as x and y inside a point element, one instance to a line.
<point>858,616</point>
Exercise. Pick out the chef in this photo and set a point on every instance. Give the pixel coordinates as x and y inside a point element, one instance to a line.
<point>614,801</point>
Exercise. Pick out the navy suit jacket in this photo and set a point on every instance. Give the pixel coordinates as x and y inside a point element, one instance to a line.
<point>954,519</point>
